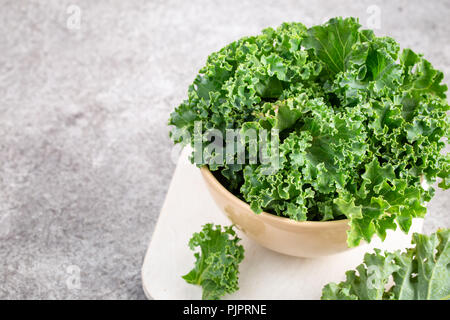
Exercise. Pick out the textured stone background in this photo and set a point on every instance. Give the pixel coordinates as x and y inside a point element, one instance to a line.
<point>85,158</point>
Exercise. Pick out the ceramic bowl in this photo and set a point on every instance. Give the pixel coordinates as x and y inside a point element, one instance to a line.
<point>280,234</point>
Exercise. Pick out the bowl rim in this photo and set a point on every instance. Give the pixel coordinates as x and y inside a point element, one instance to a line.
<point>207,175</point>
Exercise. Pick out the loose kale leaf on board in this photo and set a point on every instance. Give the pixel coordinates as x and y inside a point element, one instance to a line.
<point>216,267</point>
<point>419,273</point>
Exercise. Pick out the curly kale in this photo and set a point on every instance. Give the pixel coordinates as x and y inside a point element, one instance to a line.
<point>216,268</point>
<point>362,124</point>
<point>420,273</point>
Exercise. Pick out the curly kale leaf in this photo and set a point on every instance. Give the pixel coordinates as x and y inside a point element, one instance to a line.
<point>419,273</point>
<point>334,43</point>
<point>216,268</point>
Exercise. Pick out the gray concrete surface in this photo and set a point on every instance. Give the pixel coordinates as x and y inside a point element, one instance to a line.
<point>85,160</point>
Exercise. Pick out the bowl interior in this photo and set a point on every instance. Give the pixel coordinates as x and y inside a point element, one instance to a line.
<point>212,180</point>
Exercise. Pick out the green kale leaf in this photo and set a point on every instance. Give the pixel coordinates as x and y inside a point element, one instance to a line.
<point>419,273</point>
<point>216,267</point>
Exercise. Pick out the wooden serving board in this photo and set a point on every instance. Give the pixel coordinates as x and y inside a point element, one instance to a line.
<point>264,274</point>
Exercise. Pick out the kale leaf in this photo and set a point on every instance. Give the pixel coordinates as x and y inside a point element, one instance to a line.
<point>419,273</point>
<point>216,267</point>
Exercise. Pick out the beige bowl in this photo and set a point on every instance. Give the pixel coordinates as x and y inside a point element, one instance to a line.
<point>280,234</point>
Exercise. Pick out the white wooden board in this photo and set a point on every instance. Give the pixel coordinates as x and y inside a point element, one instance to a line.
<point>263,274</point>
